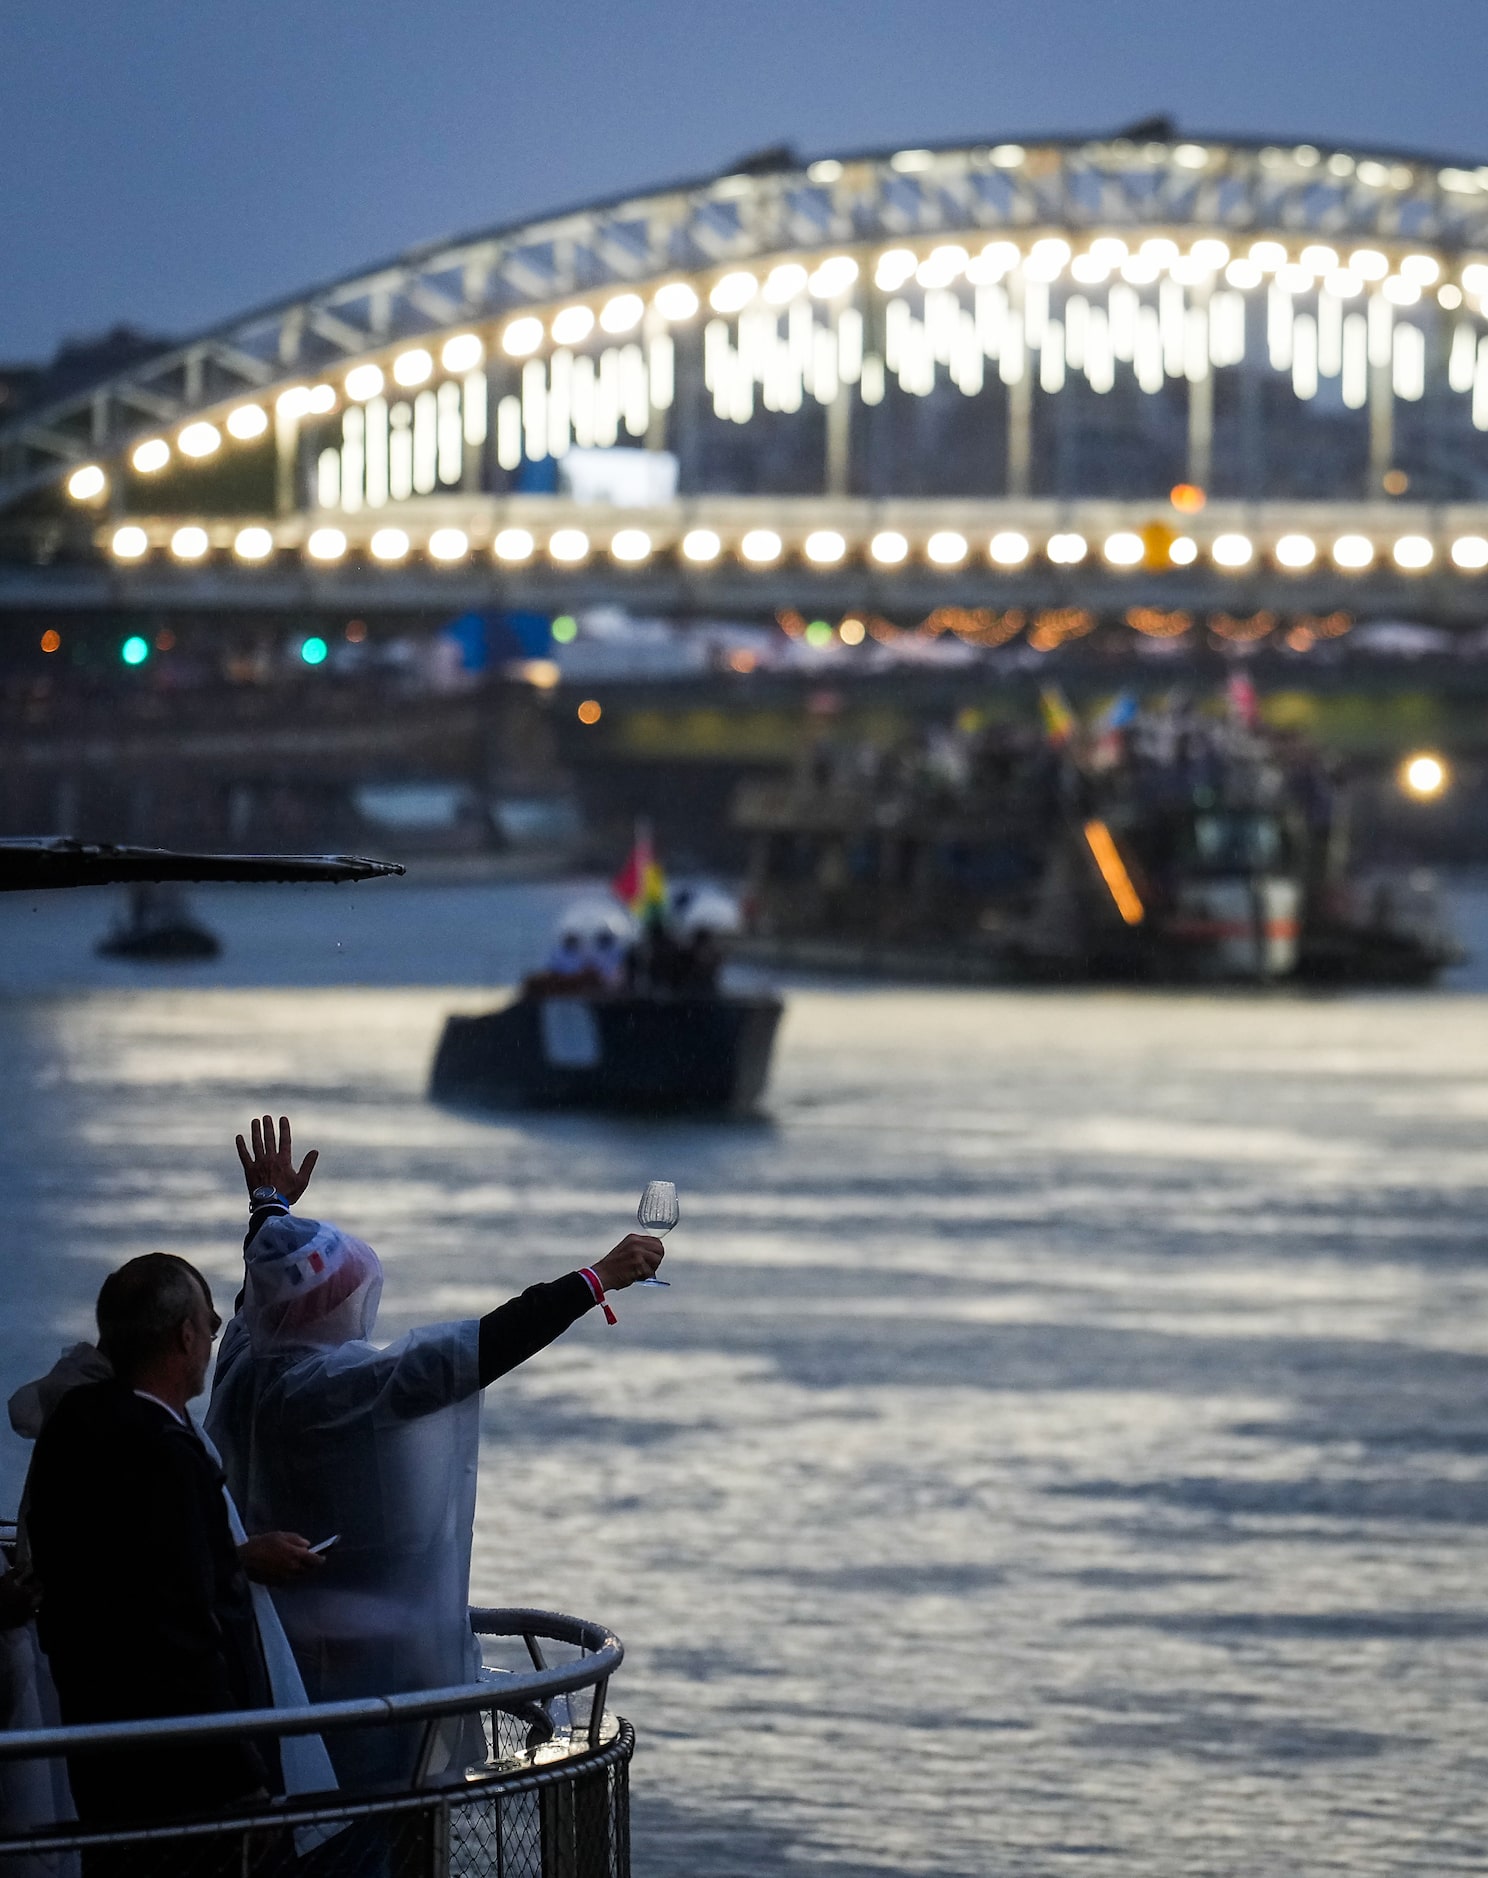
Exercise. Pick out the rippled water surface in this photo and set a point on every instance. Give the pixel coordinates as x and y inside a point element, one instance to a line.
<point>1065,1443</point>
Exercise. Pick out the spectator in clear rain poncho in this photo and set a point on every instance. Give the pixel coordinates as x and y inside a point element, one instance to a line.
<point>374,1446</point>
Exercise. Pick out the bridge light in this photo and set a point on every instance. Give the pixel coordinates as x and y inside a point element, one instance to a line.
<point>942,265</point>
<point>388,544</point>
<point>513,544</point>
<point>293,403</point>
<point>1244,274</point>
<point>1089,270</point>
<point>826,170</point>
<point>414,367</point>
<point>1268,255</point>
<point>135,649</point>
<point>448,544</point>
<point>1183,551</point>
<point>326,544</point>
<point>364,382</point>
<point>622,313</point>
<point>1413,554</point>
<point>630,545</point>
<point>824,547</point>
<point>1210,252</point>
<point>1295,278</point>
<point>51,640</point>
<point>572,325</point>
<point>1140,270</point>
<point>1475,278</point>
<point>834,276</point>
<point>851,631</point>
<point>522,337</point>
<point>700,545</point>
<point>590,711</point>
<point>1470,553</point>
<point>1110,249</point>
<point>1368,264</point>
<point>1124,549</point>
<point>1423,776</point>
<point>946,548</point>
<point>189,543</point>
<point>1353,553</point>
<point>130,543</point>
<point>888,548</point>
<point>1343,283</point>
<point>675,300</point>
<point>1400,292</point>
<point>760,546</point>
<point>199,439</point>
<point>1047,259</point>
<point>1009,156</point>
<point>87,483</point>
<point>818,634</point>
<point>1295,552</point>
<point>895,266</point>
<point>1187,498</point>
<point>568,545</point>
<point>784,283</point>
<point>249,421</point>
<point>1449,296</point>
<point>463,352</point>
<point>1190,156</point>
<point>1067,550</point>
<point>253,544</point>
<point>1008,549</point>
<point>988,267</point>
<point>153,454</point>
<point>320,400</point>
<point>1232,552</point>
<point>1318,258</point>
<point>911,162</point>
<point>733,292</point>
<point>1159,251</point>
<point>1423,269</point>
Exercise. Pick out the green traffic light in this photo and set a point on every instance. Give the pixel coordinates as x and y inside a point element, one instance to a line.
<point>134,650</point>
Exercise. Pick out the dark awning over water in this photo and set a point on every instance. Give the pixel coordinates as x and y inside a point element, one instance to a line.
<point>52,861</point>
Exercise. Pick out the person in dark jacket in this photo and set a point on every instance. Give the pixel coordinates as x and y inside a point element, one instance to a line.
<point>145,1606</point>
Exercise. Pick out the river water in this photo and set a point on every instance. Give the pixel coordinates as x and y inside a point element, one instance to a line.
<point>1064,1444</point>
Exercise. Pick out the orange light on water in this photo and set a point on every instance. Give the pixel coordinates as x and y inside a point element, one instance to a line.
<point>1113,873</point>
<point>590,712</point>
<point>51,641</point>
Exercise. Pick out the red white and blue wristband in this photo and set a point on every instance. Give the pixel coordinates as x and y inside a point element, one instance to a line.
<point>591,1278</point>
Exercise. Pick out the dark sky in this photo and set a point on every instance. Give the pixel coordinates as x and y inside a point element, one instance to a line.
<point>173,162</point>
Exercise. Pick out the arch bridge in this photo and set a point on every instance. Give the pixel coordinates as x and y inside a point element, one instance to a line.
<point>1148,377</point>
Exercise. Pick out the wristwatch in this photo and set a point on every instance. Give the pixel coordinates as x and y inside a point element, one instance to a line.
<point>265,1196</point>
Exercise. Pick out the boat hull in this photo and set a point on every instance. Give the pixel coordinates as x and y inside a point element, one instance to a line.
<point>679,1055</point>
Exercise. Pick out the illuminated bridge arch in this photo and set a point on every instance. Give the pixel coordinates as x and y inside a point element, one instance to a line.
<point>973,372</point>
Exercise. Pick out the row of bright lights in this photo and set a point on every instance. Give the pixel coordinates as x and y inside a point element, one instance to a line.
<point>832,277</point>
<point>825,547</point>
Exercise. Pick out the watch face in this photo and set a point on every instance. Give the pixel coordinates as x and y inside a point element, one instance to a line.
<point>261,1194</point>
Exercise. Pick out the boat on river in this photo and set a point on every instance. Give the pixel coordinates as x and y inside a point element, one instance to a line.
<point>1176,844</point>
<point>630,1015</point>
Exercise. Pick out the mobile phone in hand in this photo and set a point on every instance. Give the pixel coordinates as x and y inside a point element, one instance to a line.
<point>326,1544</point>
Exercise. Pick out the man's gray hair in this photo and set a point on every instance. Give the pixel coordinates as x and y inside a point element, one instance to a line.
<point>143,1305</point>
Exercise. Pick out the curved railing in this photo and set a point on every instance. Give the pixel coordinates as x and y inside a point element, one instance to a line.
<point>550,1799</point>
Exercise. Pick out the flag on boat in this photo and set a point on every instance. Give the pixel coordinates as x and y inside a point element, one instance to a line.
<point>641,883</point>
<point>1059,719</point>
<point>1245,707</point>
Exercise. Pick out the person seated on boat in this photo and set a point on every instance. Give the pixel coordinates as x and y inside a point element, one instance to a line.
<point>569,957</point>
<point>608,957</point>
<point>320,1428</point>
<point>146,1609</point>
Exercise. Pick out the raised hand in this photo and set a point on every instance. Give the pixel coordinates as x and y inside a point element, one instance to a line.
<point>271,1162</point>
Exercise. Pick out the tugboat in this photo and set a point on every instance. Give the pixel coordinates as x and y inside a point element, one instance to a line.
<point>629,1014</point>
<point>1171,845</point>
<point>158,928</point>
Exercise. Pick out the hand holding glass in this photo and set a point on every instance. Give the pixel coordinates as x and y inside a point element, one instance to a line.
<point>657,1213</point>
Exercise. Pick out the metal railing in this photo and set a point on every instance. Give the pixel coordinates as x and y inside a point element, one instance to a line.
<point>550,1798</point>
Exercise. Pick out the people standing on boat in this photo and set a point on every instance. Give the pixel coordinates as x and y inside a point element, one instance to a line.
<point>321,1430</point>
<point>146,1608</point>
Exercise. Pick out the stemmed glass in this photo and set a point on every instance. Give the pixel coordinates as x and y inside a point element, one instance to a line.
<point>657,1213</point>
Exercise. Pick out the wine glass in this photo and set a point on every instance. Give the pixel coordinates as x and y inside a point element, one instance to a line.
<point>657,1214</point>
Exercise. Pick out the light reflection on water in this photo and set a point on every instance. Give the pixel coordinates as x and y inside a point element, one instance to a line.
<point>1064,1438</point>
